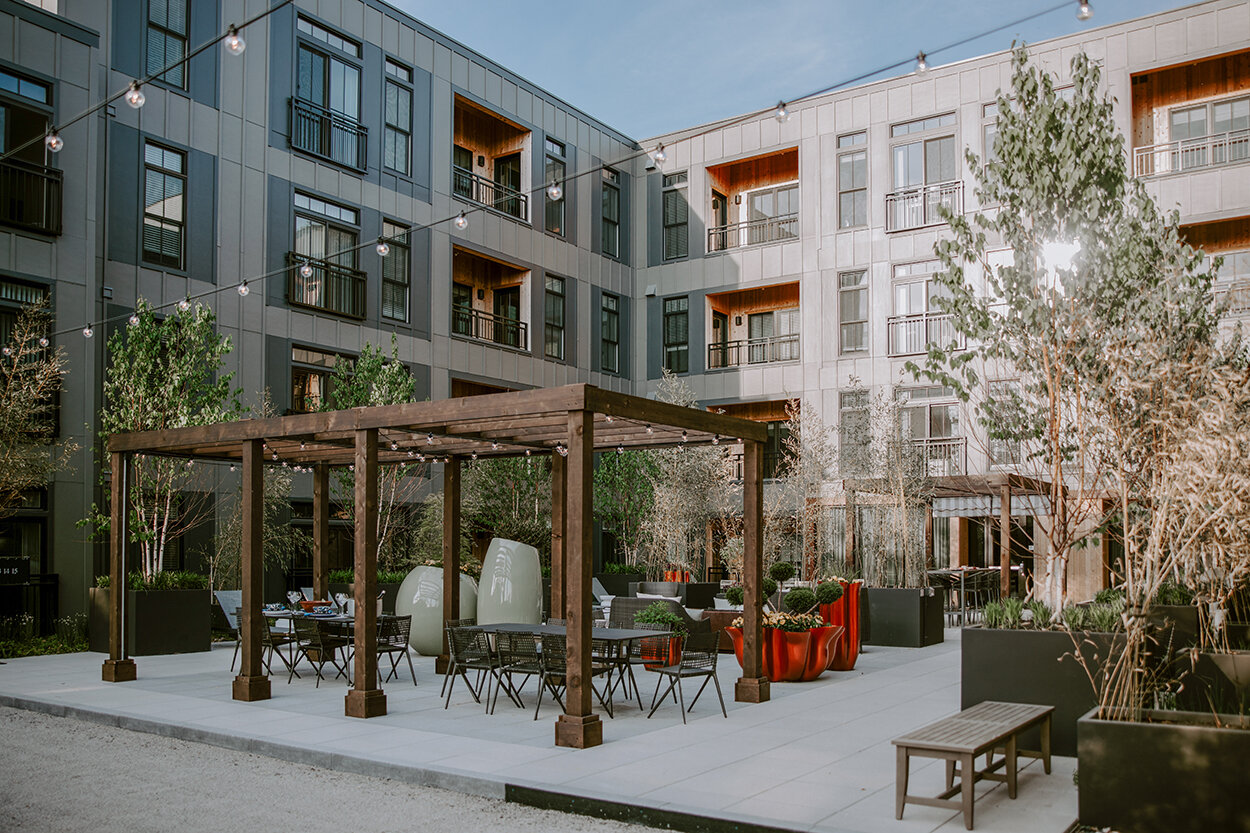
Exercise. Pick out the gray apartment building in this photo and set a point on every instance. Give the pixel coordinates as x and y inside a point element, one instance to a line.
<point>763,259</point>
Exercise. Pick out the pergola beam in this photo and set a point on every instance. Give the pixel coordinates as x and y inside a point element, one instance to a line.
<point>364,700</point>
<point>252,682</point>
<point>752,686</point>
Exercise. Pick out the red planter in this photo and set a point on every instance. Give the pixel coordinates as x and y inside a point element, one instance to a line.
<point>677,575</point>
<point>661,654</point>
<point>793,656</point>
<point>845,612</point>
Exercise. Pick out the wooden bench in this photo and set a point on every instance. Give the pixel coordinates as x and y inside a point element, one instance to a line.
<point>961,739</point>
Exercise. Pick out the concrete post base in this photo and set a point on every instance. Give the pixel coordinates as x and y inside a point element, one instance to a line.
<point>365,703</point>
<point>118,670</point>
<point>250,689</point>
<point>579,732</point>
<point>751,690</point>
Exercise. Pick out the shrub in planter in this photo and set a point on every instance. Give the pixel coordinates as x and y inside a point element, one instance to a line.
<point>169,614</point>
<point>800,600</point>
<point>828,592</point>
<point>658,613</point>
<point>781,572</point>
<point>796,647</point>
<point>735,595</point>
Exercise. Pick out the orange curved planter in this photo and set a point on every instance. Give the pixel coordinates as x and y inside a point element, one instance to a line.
<point>845,612</point>
<point>793,656</point>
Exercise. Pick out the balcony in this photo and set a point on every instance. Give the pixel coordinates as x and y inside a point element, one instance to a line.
<point>483,326</point>
<point>945,456</point>
<point>331,288</point>
<point>753,351</point>
<point>753,233</point>
<point>1192,154</point>
<point>469,186</point>
<point>772,465</point>
<point>30,196</point>
<point>911,335</point>
<point>915,208</point>
<point>327,134</point>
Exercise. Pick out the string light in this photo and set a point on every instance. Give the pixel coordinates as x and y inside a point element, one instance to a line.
<point>683,436</point>
<point>494,446</point>
<point>716,440</point>
<point>134,96</point>
<point>232,467</point>
<point>43,341</point>
<point>528,452</point>
<point>446,460</point>
<point>184,305</point>
<point>554,191</point>
<point>54,142</point>
<point>564,452</point>
<point>134,319</point>
<point>650,430</point>
<point>608,417</point>
<point>8,351</point>
<point>659,155</point>
<point>302,445</point>
<point>243,289</point>
<point>411,453</point>
<point>275,456</point>
<point>420,458</point>
<point>782,113</point>
<point>429,439</point>
<point>620,449</point>
<point>305,269</point>
<point>394,446</point>
<point>232,42</point>
<point>921,63</point>
<point>461,221</point>
<point>474,454</point>
<point>87,332</point>
<point>1084,11</point>
<point>383,247</point>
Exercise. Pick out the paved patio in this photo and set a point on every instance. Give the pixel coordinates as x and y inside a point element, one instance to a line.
<point>816,757</point>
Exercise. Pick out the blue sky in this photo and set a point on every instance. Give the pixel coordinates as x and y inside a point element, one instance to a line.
<point>648,67</point>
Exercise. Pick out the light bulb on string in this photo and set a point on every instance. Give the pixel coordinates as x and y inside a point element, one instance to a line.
<point>1084,11</point>
<point>554,191</point>
<point>620,449</point>
<point>394,446</point>
<point>782,113</point>
<point>683,436</point>
<point>411,453</point>
<point>659,155</point>
<point>43,341</point>
<point>473,455</point>
<point>383,247</point>
<point>232,42</point>
<point>87,332</point>
<point>275,456</point>
<point>8,351</point>
<point>420,458</point>
<point>494,446</point>
<point>528,452</point>
<point>243,289</point>
<point>716,440</point>
<point>608,417</point>
<point>134,320</point>
<point>429,439</point>
<point>302,445</point>
<point>305,269</point>
<point>922,63</point>
<point>650,430</point>
<point>54,142</point>
<point>184,305</point>
<point>134,96</point>
<point>564,452</point>
<point>461,221</point>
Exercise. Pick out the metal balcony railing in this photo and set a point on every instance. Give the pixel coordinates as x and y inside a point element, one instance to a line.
<point>330,288</point>
<point>483,326</point>
<point>328,134</point>
<point>753,232</point>
<point>30,196</point>
<point>468,185</point>
<point>912,334</point>
<point>946,456</point>
<point>1237,294</point>
<point>914,208</point>
<point>772,464</point>
<point>753,351</point>
<point>1192,154</point>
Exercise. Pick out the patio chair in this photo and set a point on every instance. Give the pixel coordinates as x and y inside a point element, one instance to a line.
<point>231,601</point>
<point>640,651</point>
<point>470,651</point>
<point>319,644</point>
<point>517,653</point>
<point>454,623</point>
<point>393,633</point>
<point>698,659</point>
<point>551,620</point>
<point>272,643</point>
<point>554,667</point>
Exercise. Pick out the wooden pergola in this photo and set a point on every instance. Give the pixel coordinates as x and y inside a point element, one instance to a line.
<point>569,423</point>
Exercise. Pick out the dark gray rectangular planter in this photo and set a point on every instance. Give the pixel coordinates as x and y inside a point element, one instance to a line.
<point>157,621</point>
<point>904,617</point>
<point>617,584</point>
<point>1185,775</point>
<point>1039,667</point>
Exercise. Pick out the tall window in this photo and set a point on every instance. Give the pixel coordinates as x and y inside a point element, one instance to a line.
<point>397,136</point>
<point>853,434</point>
<point>677,334</point>
<point>325,239</point>
<point>989,133</point>
<point>311,372</point>
<point>676,216</point>
<point>773,336</point>
<point>461,309</point>
<point>555,174</point>
<point>917,320</point>
<point>611,212</point>
<point>325,113</point>
<point>167,40</point>
<point>553,319</point>
<point>395,272</point>
<point>853,181</point>
<point>1002,452</point>
<point>853,312</point>
<point>164,206</point>
<point>610,334</point>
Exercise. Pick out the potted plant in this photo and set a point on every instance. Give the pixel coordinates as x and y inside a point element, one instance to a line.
<point>169,614</point>
<point>797,646</point>
<point>657,654</point>
<point>617,577</point>
<point>839,604</point>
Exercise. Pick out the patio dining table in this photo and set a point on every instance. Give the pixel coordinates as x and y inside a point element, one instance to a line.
<point>339,621</point>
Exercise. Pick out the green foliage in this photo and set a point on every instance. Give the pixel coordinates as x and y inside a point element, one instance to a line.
<point>828,592</point>
<point>167,580</point>
<point>658,613</point>
<point>510,497</point>
<point>800,600</point>
<point>1174,593</point>
<point>341,576</point>
<point>38,646</point>
<point>781,571</point>
<point>793,622</point>
<point>1042,613</point>
<point>1104,618</point>
<point>1109,595</point>
<point>624,497</point>
<point>427,538</point>
<point>392,576</point>
<point>1074,618</point>
<point>735,595</point>
<point>993,615</point>
<point>617,568</point>
<point>1013,613</point>
<point>769,586</point>
<point>17,627</point>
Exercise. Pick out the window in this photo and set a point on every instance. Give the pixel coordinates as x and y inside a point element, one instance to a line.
<point>1233,282</point>
<point>677,334</point>
<point>611,212</point>
<point>461,309</point>
<point>853,433</point>
<point>921,125</point>
<point>989,133</point>
<point>555,174</point>
<point>924,163</point>
<point>317,32</point>
<point>397,132</point>
<point>853,311</point>
<point>167,40</point>
<point>925,173</point>
<point>928,413</point>
<point>553,319</point>
<point>676,216</point>
<point>775,448</point>
<point>1212,134</point>
<point>24,87</point>
<point>772,214</point>
<point>773,336</point>
<point>164,208</point>
<point>311,374</point>
<point>324,240</point>
<point>917,320</point>
<point>328,82</point>
<point>325,113</point>
<point>395,272</point>
<point>610,334</point>
<point>852,183</point>
<point>1002,452</point>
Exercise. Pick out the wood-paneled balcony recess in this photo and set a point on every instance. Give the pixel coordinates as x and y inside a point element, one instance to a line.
<point>490,300</point>
<point>1192,116</point>
<point>753,326</point>
<point>754,201</point>
<point>489,164</point>
<point>1229,240</point>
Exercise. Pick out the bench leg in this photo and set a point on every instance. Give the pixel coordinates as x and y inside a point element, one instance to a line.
<point>950,773</point>
<point>900,780</point>
<point>967,787</point>
<point>1046,744</point>
<point>1011,767</point>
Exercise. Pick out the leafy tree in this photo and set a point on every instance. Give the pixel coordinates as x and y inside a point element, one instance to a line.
<point>624,498</point>
<point>809,457</point>
<point>164,373</point>
<point>31,374</point>
<point>510,497</point>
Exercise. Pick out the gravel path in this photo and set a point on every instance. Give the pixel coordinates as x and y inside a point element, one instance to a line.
<point>62,774</point>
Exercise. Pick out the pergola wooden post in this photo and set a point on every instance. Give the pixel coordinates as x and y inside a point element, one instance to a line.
<point>118,668</point>
<point>1004,541</point>
<point>579,726</point>
<point>752,686</point>
<point>559,497</point>
<point>451,555</point>
<point>364,700</point>
<point>321,531</point>
<point>252,682</point>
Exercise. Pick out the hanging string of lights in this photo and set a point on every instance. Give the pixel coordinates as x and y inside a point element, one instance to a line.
<point>234,44</point>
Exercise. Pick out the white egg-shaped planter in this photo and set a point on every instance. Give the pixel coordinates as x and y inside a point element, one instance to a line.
<point>421,596</point>
<point>511,589</point>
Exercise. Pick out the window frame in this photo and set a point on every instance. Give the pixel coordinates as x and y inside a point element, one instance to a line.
<point>612,313</point>
<point>311,369</point>
<point>182,82</point>
<point>397,237</point>
<point>673,349</point>
<point>555,152</point>
<point>843,323</point>
<point>149,168</point>
<point>400,77</point>
<point>677,183</point>
<point>611,185</point>
<point>555,299</point>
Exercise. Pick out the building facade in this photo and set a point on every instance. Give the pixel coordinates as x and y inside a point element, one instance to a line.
<point>764,260</point>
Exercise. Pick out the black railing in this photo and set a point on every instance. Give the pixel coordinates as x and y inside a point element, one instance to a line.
<point>30,196</point>
<point>483,326</point>
<point>328,287</point>
<point>328,134</point>
<point>753,351</point>
<point>753,232</point>
<point>773,461</point>
<point>468,185</point>
<point>918,207</point>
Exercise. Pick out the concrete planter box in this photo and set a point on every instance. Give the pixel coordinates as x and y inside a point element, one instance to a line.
<point>157,621</point>
<point>1185,775</point>
<point>617,584</point>
<point>904,617</point>
<point>1024,666</point>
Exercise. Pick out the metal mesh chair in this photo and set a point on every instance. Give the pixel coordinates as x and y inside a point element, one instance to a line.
<point>641,651</point>
<point>517,653</point>
<point>698,659</point>
<point>554,667</point>
<point>393,632</point>
<point>319,644</point>
<point>551,620</point>
<point>271,643</point>
<point>470,650</point>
